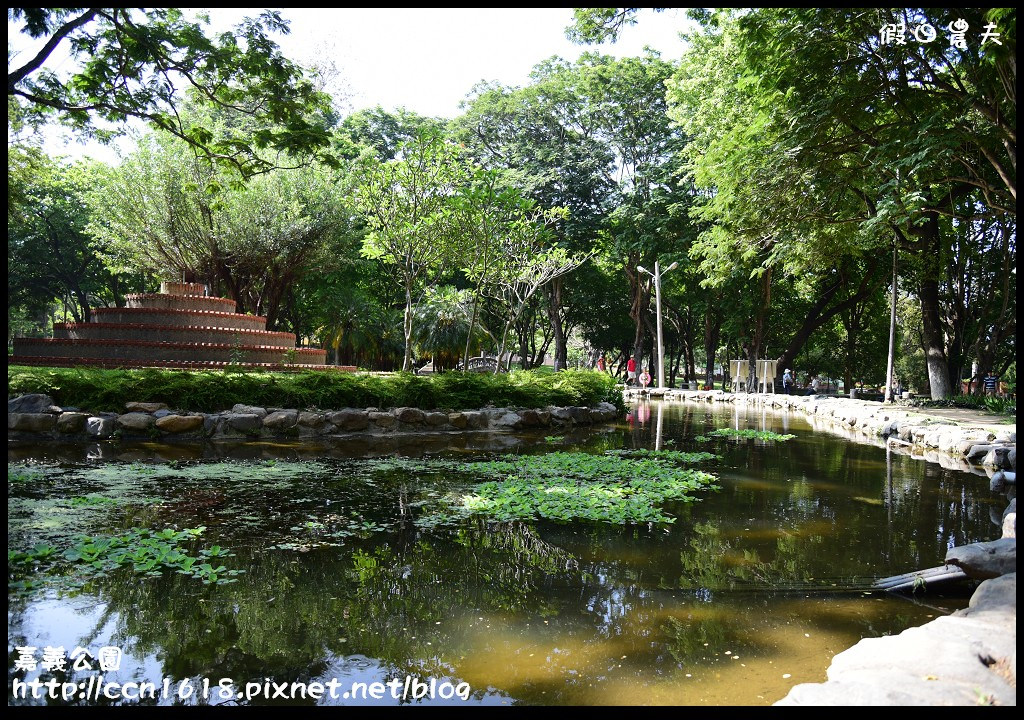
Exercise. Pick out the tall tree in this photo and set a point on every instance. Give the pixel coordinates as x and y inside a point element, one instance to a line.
<point>131,63</point>
<point>530,264</point>
<point>484,214</point>
<point>403,201</point>
<point>49,252</point>
<point>858,140</point>
<point>166,212</point>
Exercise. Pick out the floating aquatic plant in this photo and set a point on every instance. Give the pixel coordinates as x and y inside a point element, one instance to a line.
<point>576,486</point>
<point>671,455</point>
<point>147,552</point>
<point>745,434</point>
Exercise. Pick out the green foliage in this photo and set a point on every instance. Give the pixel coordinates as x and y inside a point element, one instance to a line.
<point>132,63</point>
<point>672,455</point>
<point>329,530</point>
<point>403,201</point>
<point>443,324</point>
<point>817,148</point>
<point>747,434</point>
<point>162,213</point>
<point>597,25</point>
<point>212,391</point>
<point>49,254</point>
<point>577,486</point>
<point>148,553</point>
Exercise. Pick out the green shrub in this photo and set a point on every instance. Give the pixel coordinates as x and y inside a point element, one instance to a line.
<point>99,390</point>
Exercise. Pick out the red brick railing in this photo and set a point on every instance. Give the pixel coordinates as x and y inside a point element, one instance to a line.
<point>178,317</point>
<point>170,333</point>
<point>112,363</point>
<point>179,302</point>
<point>146,350</point>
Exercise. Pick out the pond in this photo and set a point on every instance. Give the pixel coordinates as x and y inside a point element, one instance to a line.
<point>250,573</point>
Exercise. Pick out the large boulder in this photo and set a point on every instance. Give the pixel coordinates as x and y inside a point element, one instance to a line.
<point>410,416</point>
<point>982,561</point>
<point>281,420</point>
<point>561,414</point>
<point>71,422</point>
<point>435,419</point>
<point>476,420</point>
<point>31,422</point>
<point>100,427</point>
<point>146,407</point>
<point>996,457</point>
<point>249,410</point>
<point>506,419</point>
<point>248,423</point>
<point>382,419</point>
<point>580,415</point>
<point>135,422</point>
<point>349,420</point>
<point>311,419</point>
<point>32,403</point>
<point>535,418</point>
<point>174,424</point>
<point>953,660</point>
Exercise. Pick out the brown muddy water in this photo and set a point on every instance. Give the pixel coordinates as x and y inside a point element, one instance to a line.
<point>753,589</point>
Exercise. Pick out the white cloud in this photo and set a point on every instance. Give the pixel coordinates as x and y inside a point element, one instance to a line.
<point>427,59</point>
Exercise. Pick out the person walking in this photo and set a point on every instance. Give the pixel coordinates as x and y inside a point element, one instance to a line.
<point>600,364</point>
<point>631,371</point>
<point>787,382</point>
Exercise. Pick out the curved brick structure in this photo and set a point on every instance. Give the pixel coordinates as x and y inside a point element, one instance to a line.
<point>180,302</point>
<point>141,350</point>
<point>179,327</point>
<point>178,318</point>
<point>167,333</point>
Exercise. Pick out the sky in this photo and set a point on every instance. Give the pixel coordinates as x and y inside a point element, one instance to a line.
<point>426,59</point>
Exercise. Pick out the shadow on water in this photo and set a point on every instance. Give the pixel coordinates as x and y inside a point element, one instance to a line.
<point>751,590</point>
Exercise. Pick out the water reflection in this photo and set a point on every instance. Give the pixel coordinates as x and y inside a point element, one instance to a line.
<point>760,580</point>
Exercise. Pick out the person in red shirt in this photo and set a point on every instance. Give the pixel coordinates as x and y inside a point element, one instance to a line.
<point>631,371</point>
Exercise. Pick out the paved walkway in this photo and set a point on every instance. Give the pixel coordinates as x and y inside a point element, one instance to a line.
<point>964,416</point>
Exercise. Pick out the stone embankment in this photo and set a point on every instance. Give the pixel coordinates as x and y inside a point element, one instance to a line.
<point>971,447</point>
<point>35,416</point>
<point>968,657</point>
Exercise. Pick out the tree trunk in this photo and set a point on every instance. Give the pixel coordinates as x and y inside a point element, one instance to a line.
<point>933,336</point>
<point>691,367</point>
<point>524,351</point>
<point>639,304</point>
<point>407,328</point>
<point>469,335</point>
<point>554,293</point>
<point>759,318</point>
<point>851,345</point>
<point>712,331</point>
<point>673,365</point>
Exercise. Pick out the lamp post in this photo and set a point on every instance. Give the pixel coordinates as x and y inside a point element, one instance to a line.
<point>657,302</point>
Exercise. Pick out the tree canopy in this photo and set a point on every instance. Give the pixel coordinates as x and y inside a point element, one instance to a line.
<point>139,63</point>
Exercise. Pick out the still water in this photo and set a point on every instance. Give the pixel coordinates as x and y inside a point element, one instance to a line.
<point>752,590</point>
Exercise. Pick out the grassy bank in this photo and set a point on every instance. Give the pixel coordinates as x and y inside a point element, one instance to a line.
<point>213,391</point>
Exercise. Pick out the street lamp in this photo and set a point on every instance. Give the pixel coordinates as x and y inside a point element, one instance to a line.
<point>657,302</point>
